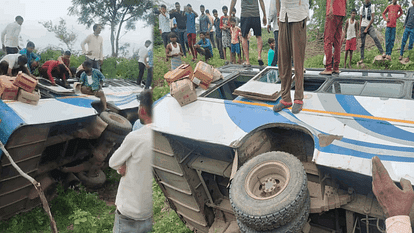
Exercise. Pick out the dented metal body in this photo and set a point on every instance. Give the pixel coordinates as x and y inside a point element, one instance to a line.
<point>63,129</point>
<point>346,120</point>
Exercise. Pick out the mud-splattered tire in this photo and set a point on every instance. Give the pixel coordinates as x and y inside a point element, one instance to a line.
<point>113,137</point>
<point>295,226</point>
<point>92,182</point>
<point>283,179</point>
<point>116,123</point>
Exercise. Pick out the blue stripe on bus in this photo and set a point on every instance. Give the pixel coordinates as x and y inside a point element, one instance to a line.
<point>351,105</point>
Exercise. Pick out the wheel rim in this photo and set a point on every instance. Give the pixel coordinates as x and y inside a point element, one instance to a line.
<point>267,180</point>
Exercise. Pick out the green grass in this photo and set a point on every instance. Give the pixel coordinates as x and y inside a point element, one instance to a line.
<point>73,210</point>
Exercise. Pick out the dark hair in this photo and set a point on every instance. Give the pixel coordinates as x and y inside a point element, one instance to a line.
<point>203,33</point>
<point>177,3</point>
<point>95,26</point>
<point>30,45</point>
<point>67,52</point>
<point>145,100</point>
<point>271,40</point>
<point>353,10</point>
<point>163,6</point>
<point>87,64</point>
<point>202,6</point>
<point>148,42</point>
<point>207,12</point>
<point>172,35</point>
<point>214,11</point>
<point>22,59</point>
<point>18,18</point>
<point>234,10</point>
<point>232,20</point>
<point>189,5</point>
<point>224,8</point>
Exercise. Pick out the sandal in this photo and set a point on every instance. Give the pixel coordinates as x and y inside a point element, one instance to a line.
<point>281,105</point>
<point>297,106</point>
<point>246,65</point>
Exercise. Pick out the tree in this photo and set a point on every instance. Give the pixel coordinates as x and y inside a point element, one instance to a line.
<point>61,32</point>
<point>115,13</point>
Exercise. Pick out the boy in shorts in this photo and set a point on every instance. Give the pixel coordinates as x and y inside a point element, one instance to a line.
<point>250,18</point>
<point>235,45</point>
<point>351,29</point>
<point>91,81</point>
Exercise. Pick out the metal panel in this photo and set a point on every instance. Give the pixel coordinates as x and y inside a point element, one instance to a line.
<point>167,162</point>
<point>26,166</point>
<point>14,196</point>
<point>182,197</point>
<point>173,180</point>
<point>193,216</point>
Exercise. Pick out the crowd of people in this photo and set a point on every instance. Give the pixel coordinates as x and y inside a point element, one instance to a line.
<point>334,34</point>
<point>179,32</point>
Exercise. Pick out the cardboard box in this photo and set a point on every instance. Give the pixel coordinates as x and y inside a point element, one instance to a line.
<point>8,90</point>
<point>216,75</point>
<point>25,81</point>
<point>203,75</point>
<point>183,91</point>
<point>179,73</point>
<point>28,98</point>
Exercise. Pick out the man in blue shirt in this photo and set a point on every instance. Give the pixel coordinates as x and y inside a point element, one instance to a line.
<point>204,46</point>
<point>91,81</point>
<point>191,30</point>
<point>218,33</point>
<point>32,58</point>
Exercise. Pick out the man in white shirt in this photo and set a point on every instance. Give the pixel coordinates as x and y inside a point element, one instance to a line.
<point>10,36</point>
<point>142,53</point>
<point>11,64</point>
<point>367,13</point>
<point>274,18</point>
<point>133,160</point>
<point>292,40</point>
<point>94,53</point>
<point>164,24</point>
<point>395,203</point>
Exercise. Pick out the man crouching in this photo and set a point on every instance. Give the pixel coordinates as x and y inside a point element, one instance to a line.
<point>91,81</point>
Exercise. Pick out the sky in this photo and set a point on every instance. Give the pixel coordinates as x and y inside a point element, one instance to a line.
<point>34,11</point>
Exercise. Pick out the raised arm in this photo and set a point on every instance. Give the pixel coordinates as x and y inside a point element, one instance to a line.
<point>232,4</point>
<point>262,5</point>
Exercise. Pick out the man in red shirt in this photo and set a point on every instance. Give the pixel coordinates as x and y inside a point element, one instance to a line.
<point>55,69</point>
<point>394,12</point>
<point>335,12</point>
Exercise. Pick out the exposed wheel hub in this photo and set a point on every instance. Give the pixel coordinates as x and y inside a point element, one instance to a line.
<point>269,186</point>
<point>267,180</point>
